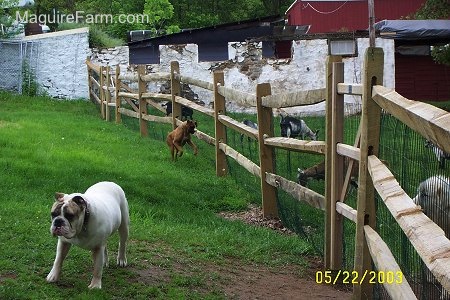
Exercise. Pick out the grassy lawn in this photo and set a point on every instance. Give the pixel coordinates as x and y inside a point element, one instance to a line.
<point>49,146</point>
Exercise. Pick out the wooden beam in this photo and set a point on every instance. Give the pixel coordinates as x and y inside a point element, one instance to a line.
<point>241,159</point>
<point>158,96</point>
<point>93,66</point>
<point>297,191</point>
<point>242,98</point>
<point>296,145</point>
<point>346,210</point>
<point>204,110</point>
<point>102,93</point>
<point>158,119</point>
<point>156,105</point>
<point>337,168</point>
<point>176,91</point>
<point>142,85</point>
<point>107,93</point>
<point>427,238</point>
<point>118,84</point>
<point>129,77</point>
<point>354,153</point>
<point>429,121</point>
<point>204,137</point>
<point>370,138</point>
<point>266,153</point>
<point>89,73</point>
<point>197,82</point>
<point>328,158</point>
<point>239,126</point>
<point>129,113</point>
<point>348,151</point>
<point>386,265</point>
<point>350,89</point>
<point>220,129</point>
<point>155,77</point>
<point>295,99</point>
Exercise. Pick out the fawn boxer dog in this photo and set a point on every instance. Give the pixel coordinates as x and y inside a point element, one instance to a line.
<point>87,220</point>
<point>179,137</point>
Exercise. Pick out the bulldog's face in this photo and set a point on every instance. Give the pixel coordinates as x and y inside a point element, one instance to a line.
<point>68,215</point>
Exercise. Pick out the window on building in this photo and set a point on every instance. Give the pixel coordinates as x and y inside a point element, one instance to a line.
<point>342,47</point>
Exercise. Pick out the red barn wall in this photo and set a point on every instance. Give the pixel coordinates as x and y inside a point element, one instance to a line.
<point>420,78</point>
<point>333,16</point>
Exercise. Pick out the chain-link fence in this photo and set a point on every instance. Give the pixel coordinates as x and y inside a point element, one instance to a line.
<point>18,66</point>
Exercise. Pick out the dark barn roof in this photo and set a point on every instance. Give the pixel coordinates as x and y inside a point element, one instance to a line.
<point>414,30</point>
<point>212,41</point>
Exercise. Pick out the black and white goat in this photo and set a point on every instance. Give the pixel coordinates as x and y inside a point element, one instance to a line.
<point>441,156</point>
<point>186,112</point>
<point>293,127</point>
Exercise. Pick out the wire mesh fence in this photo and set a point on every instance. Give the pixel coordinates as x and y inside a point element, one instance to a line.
<point>18,66</point>
<point>409,157</point>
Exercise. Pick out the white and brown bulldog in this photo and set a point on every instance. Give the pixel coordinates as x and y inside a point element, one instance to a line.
<point>87,220</point>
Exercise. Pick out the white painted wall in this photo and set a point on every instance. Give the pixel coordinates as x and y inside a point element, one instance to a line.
<point>61,71</point>
<point>60,67</point>
<point>306,70</point>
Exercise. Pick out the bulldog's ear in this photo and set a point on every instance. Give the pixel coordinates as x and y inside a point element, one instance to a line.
<point>59,197</point>
<point>79,201</point>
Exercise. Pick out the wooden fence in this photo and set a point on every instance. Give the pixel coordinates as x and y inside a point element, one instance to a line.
<point>432,123</point>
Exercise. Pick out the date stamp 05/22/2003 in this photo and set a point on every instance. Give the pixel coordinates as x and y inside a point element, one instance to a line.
<point>355,277</point>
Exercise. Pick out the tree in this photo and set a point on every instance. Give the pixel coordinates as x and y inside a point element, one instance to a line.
<point>7,13</point>
<point>437,9</point>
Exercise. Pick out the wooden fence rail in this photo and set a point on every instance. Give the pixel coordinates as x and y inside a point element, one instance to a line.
<point>432,123</point>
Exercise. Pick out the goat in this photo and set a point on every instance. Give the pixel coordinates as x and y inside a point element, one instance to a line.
<point>441,156</point>
<point>249,124</point>
<point>186,112</point>
<point>433,195</point>
<point>292,127</point>
<point>317,172</point>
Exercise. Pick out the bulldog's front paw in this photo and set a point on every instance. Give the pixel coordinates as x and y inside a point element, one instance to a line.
<point>53,276</point>
<point>95,284</point>
<point>122,261</point>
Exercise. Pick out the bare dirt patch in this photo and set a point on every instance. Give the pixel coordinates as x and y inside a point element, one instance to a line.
<point>257,282</point>
<point>240,280</point>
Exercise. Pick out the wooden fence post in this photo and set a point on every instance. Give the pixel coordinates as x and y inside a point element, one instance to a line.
<point>337,168</point>
<point>370,138</point>
<point>89,73</point>
<point>102,92</point>
<point>142,103</point>
<point>176,91</point>
<point>220,129</point>
<point>107,93</point>
<point>328,162</point>
<point>266,153</point>
<point>118,83</point>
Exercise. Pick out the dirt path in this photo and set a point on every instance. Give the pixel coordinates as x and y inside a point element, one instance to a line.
<point>255,282</point>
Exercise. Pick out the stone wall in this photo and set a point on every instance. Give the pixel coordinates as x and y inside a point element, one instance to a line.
<point>305,70</point>
<point>58,62</point>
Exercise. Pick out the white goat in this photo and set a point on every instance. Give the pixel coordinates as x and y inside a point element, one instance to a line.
<point>441,156</point>
<point>433,196</point>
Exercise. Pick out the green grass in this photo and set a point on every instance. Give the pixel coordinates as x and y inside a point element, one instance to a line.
<point>49,146</point>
